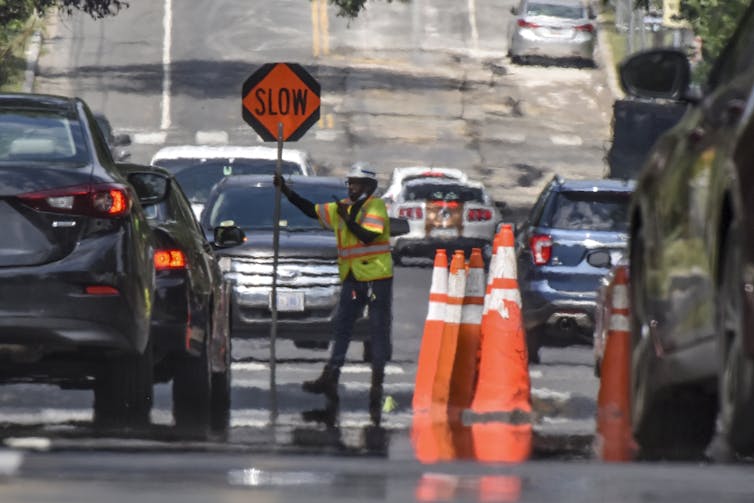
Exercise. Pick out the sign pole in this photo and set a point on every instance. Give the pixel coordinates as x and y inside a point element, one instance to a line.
<point>274,299</point>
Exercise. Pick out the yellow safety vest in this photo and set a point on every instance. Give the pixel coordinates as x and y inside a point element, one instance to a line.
<point>367,262</point>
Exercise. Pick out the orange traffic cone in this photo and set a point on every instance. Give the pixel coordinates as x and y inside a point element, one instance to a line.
<point>429,352</point>
<point>503,384</point>
<point>498,442</point>
<point>465,367</point>
<point>614,438</point>
<point>451,330</point>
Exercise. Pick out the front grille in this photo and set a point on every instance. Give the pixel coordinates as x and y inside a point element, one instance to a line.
<point>292,273</point>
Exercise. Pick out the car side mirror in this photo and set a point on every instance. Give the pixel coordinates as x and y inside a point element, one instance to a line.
<point>150,188</point>
<point>399,227</point>
<point>226,236</point>
<point>122,140</point>
<point>656,73</point>
<point>599,258</point>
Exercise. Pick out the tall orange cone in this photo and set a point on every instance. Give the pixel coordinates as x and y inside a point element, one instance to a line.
<point>614,438</point>
<point>465,367</point>
<point>451,330</point>
<point>429,352</point>
<point>503,384</point>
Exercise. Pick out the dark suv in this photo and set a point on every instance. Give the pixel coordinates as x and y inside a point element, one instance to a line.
<point>575,231</point>
<point>692,256</point>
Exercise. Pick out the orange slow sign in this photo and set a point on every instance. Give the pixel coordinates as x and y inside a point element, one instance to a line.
<point>280,93</point>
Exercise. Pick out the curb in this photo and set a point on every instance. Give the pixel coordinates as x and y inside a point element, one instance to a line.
<point>607,60</point>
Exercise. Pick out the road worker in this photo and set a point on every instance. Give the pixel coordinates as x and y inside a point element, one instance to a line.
<point>362,229</point>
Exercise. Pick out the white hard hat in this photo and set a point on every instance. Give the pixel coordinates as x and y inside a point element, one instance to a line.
<point>361,170</point>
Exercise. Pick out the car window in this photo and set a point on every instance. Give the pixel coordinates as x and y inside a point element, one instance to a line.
<point>41,136</point>
<point>598,211</point>
<point>449,192</point>
<point>197,180</point>
<point>252,207</point>
<point>554,10</point>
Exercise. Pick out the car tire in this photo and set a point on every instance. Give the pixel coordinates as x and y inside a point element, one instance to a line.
<point>192,390</point>
<point>736,382</point>
<point>123,391</point>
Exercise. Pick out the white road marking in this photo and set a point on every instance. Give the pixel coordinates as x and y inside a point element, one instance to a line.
<point>211,138</point>
<point>167,26</point>
<point>571,140</point>
<point>155,138</point>
<point>10,462</point>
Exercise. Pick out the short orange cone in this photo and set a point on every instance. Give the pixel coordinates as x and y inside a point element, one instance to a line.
<point>466,365</point>
<point>429,352</point>
<point>614,438</point>
<point>451,330</point>
<point>503,384</point>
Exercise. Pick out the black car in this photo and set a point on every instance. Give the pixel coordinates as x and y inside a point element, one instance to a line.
<point>190,325</point>
<point>692,256</point>
<point>76,260</point>
<point>308,283</point>
<point>575,231</point>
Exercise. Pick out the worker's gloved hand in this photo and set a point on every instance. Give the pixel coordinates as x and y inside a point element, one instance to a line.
<point>343,211</point>
<point>279,181</point>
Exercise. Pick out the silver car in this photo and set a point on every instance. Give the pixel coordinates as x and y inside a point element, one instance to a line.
<point>552,29</point>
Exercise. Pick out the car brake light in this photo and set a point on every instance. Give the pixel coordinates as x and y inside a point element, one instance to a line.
<point>479,215</point>
<point>541,248</point>
<point>103,200</point>
<point>589,28</point>
<point>411,213</point>
<point>100,290</point>
<point>169,259</point>
<point>523,23</point>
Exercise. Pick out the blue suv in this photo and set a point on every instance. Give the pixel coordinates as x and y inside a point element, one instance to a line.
<point>575,231</point>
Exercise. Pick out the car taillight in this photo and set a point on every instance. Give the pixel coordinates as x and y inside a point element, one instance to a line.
<point>103,200</point>
<point>479,215</point>
<point>541,248</point>
<point>411,213</point>
<point>169,259</point>
<point>589,28</point>
<point>523,23</point>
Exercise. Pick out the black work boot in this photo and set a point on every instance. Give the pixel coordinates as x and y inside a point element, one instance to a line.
<point>326,384</point>
<point>375,396</point>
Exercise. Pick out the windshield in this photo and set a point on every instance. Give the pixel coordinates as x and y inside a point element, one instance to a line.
<point>27,135</point>
<point>251,208</point>
<point>198,179</point>
<point>596,211</point>
<point>444,192</point>
<point>554,10</point>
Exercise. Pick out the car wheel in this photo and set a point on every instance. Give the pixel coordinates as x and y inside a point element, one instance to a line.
<point>192,390</point>
<point>396,259</point>
<point>123,391</point>
<point>736,393</point>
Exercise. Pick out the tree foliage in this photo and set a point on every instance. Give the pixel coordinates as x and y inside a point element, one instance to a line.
<point>352,8</point>
<point>19,10</point>
<point>714,21</point>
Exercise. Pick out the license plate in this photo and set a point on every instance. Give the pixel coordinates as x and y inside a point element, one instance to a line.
<point>444,233</point>
<point>289,301</point>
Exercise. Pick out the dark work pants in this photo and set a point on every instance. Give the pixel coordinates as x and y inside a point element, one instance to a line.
<point>354,295</point>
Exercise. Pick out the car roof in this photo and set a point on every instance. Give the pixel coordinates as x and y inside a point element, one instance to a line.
<point>428,171</point>
<point>293,181</point>
<point>38,101</point>
<point>443,181</point>
<point>596,185</point>
<point>230,151</point>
